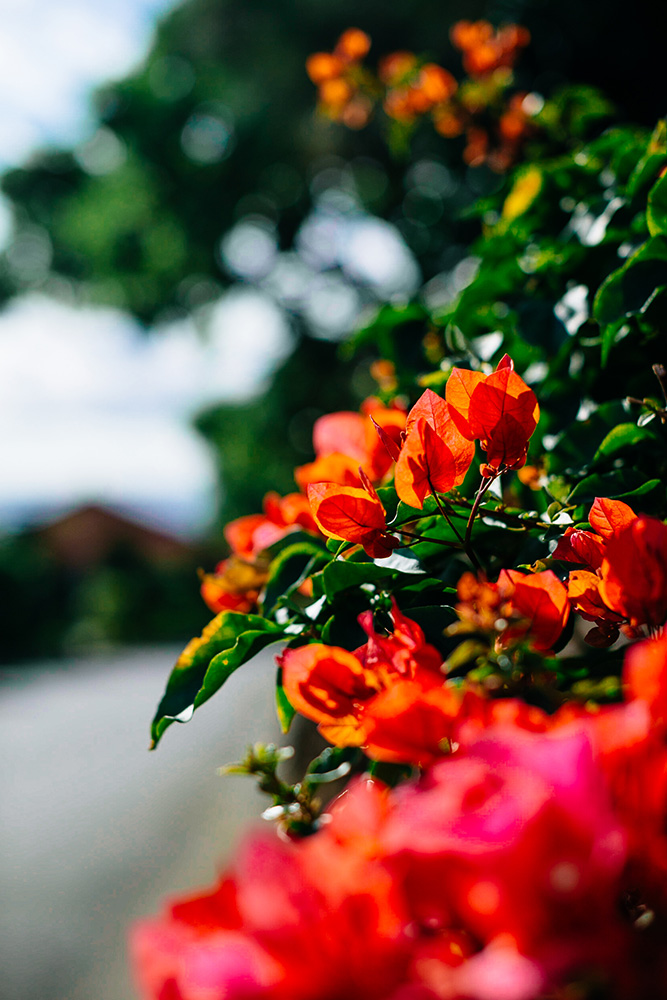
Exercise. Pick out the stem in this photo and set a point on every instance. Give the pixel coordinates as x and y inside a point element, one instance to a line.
<point>428,538</point>
<point>660,373</point>
<point>513,519</point>
<point>483,487</point>
<point>444,513</point>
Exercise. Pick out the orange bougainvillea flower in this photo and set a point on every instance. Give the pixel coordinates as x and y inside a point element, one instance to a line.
<point>329,685</point>
<point>415,90</point>
<point>633,574</point>
<point>498,409</point>
<point>352,45</point>
<point>435,455</point>
<point>408,722</point>
<point>339,690</point>
<point>541,600</point>
<point>531,606</point>
<point>345,440</point>
<point>352,515</point>
<point>396,67</point>
<point>583,591</point>
<point>235,585</point>
<point>323,66</point>
<point>608,517</point>
<point>485,49</point>
<point>335,468</point>
<point>625,582</point>
<point>336,75</point>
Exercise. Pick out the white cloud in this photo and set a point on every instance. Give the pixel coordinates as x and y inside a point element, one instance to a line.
<point>96,409</point>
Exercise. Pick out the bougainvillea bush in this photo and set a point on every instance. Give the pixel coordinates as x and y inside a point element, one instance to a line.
<point>467,590</point>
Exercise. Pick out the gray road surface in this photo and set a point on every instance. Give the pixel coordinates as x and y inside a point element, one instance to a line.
<point>94,830</point>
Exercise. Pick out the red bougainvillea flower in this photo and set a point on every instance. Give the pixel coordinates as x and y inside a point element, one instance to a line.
<point>540,600</point>
<point>633,574</point>
<point>645,676</point>
<point>352,515</point>
<point>403,650</point>
<point>582,547</point>
<point>248,536</point>
<point>338,689</point>
<point>498,409</point>
<point>633,753</point>
<point>505,871</point>
<point>515,837</point>
<point>624,584</point>
<point>312,921</point>
<point>434,456</point>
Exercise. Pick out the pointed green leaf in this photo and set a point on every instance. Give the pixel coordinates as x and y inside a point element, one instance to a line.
<point>631,288</point>
<point>342,574</point>
<point>227,642</point>
<point>623,436</point>
<point>284,709</point>
<point>289,569</point>
<point>656,212</point>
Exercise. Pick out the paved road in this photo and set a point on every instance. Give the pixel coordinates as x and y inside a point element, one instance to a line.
<point>94,830</point>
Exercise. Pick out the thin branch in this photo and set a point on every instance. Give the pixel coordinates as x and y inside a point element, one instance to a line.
<point>444,513</point>
<point>428,538</point>
<point>484,485</point>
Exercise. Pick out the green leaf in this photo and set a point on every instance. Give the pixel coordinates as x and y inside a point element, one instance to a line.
<point>653,160</point>
<point>611,335</point>
<point>341,574</point>
<point>656,211</point>
<point>284,709</point>
<point>227,642</point>
<point>390,774</point>
<point>288,570</point>
<point>624,484</point>
<point>624,436</point>
<point>630,289</point>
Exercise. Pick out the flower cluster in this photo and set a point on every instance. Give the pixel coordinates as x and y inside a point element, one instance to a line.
<point>523,864</point>
<point>623,584</point>
<point>494,120</point>
<point>339,79</point>
<point>435,451</point>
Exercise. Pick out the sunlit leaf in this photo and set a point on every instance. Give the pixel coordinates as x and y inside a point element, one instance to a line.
<point>227,642</point>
